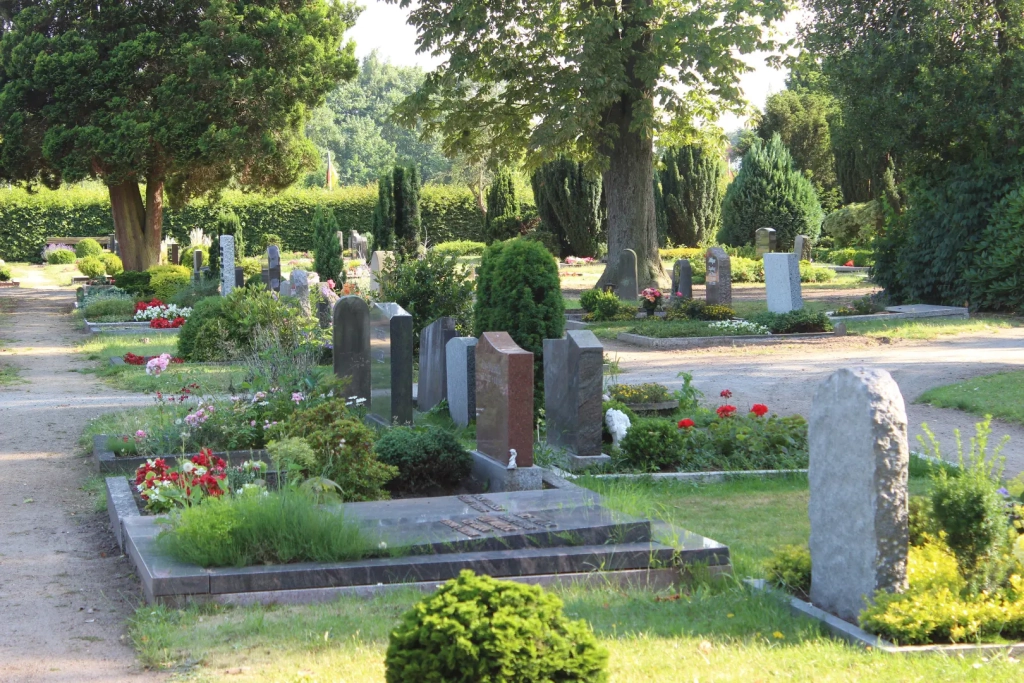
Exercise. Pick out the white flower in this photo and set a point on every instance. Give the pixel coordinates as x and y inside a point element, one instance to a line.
<point>187,466</point>
<point>383,545</point>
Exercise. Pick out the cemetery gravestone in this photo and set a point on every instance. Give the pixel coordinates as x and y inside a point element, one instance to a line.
<point>682,279</point>
<point>718,278</point>
<point>391,364</point>
<point>802,247</point>
<point>782,282</point>
<point>460,366</point>
<point>298,281</point>
<point>351,341</point>
<point>573,372</point>
<point>858,480</point>
<point>627,288</point>
<point>433,381</point>
<point>325,308</point>
<point>357,246</point>
<point>197,265</point>
<point>274,268</point>
<point>239,276</point>
<point>377,262</point>
<point>764,241</point>
<point>227,264</point>
<point>173,254</point>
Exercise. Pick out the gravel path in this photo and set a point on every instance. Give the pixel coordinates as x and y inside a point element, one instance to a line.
<point>785,376</point>
<point>65,590</point>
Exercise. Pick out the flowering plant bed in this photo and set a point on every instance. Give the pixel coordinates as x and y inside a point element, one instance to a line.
<point>109,462</point>
<point>133,359</point>
<point>161,316</point>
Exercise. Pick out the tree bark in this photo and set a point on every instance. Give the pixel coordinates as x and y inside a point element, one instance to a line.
<point>138,226</point>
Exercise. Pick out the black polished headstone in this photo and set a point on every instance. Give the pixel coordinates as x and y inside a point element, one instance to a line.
<point>274,267</point>
<point>682,279</point>
<point>239,276</point>
<point>352,344</point>
<point>390,363</point>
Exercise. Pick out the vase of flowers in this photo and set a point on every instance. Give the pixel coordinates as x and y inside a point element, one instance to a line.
<point>650,298</point>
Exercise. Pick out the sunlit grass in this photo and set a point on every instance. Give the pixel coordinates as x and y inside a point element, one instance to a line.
<point>929,328</point>
<point>1000,395</point>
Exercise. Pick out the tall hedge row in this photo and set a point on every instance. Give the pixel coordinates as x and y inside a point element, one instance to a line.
<point>448,213</point>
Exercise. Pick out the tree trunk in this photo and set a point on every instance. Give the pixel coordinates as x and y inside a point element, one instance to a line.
<point>138,227</point>
<point>629,193</point>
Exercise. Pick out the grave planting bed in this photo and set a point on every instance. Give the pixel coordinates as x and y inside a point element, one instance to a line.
<point>559,534</point>
<point>107,462</point>
<point>908,312</point>
<point>126,328</point>
<point>731,340</point>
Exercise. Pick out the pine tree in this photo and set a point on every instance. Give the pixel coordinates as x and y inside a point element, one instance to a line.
<point>327,259</point>
<point>769,193</point>
<point>569,203</point>
<point>690,185</point>
<point>407,210</point>
<point>384,214</point>
<point>503,211</point>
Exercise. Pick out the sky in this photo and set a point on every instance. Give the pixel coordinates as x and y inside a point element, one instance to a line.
<point>382,27</point>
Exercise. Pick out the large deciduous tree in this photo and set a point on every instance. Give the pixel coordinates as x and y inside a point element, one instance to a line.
<point>585,79</point>
<point>182,96</point>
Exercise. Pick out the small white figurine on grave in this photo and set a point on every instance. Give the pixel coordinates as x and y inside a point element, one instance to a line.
<point>618,424</point>
<point>512,459</point>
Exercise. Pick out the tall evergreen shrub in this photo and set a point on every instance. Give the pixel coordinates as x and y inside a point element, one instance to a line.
<point>570,205</point>
<point>407,210</point>
<point>691,193</point>
<point>384,214</point>
<point>769,193</point>
<point>327,260</point>
<point>503,207</point>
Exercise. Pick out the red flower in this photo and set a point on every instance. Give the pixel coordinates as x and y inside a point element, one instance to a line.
<point>143,305</point>
<point>725,411</point>
<point>848,263</point>
<point>726,393</point>
<point>759,409</point>
<point>686,423</point>
<point>132,359</point>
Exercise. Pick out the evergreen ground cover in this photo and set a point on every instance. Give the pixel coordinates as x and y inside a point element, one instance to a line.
<point>1000,395</point>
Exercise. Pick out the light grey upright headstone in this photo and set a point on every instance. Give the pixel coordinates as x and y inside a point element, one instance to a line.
<point>626,288</point>
<point>802,247</point>
<point>227,264</point>
<point>460,366</point>
<point>718,277</point>
<point>391,364</point>
<point>298,281</point>
<point>433,379</point>
<point>764,241</point>
<point>351,341</point>
<point>274,267</point>
<point>782,282</point>
<point>858,480</point>
<point>682,279</point>
<point>377,263</point>
<point>573,372</point>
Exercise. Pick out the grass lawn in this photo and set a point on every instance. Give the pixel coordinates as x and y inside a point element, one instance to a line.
<point>8,373</point>
<point>929,328</point>
<point>1000,395</point>
<point>101,347</point>
<point>712,632</point>
<point>56,275</point>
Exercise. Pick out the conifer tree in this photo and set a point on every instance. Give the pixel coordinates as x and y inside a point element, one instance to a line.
<point>503,210</point>
<point>327,260</point>
<point>569,203</point>
<point>690,186</point>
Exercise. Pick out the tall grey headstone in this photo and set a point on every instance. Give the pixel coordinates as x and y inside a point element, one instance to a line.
<point>764,241</point>
<point>858,480</point>
<point>197,265</point>
<point>782,282</point>
<point>298,281</point>
<point>227,264</point>
<point>433,382</point>
<point>802,247</point>
<point>351,341</point>
<point>718,277</point>
<point>377,262</point>
<point>682,279</point>
<point>391,364</point>
<point>274,267</point>
<point>460,366</point>
<point>626,288</point>
<point>573,372</point>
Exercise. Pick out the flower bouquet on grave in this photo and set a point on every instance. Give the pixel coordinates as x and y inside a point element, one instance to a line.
<point>650,299</point>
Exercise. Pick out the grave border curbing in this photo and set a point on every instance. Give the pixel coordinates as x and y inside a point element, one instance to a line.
<point>730,340</point>
<point>108,463</point>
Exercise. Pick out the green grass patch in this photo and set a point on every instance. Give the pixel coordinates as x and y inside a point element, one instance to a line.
<point>1000,395</point>
<point>96,488</point>
<point>10,374</point>
<point>929,328</point>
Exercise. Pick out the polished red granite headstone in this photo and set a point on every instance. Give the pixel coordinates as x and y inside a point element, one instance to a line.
<point>504,399</point>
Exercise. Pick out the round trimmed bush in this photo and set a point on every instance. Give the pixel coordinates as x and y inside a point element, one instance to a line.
<point>88,247</point>
<point>135,283</point>
<point>652,444</point>
<point>166,281</point>
<point>60,257</point>
<point>112,262</point>
<point>5,274</point>
<point>476,628</point>
<point>425,458</point>
<point>92,266</point>
<point>208,309</point>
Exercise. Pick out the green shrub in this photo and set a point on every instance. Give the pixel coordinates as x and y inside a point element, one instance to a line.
<point>862,258</point>
<point>812,273</point>
<point>461,248</point>
<point>135,283</point>
<point>769,192</point>
<point>92,267</point>
<point>267,239</point>
<point>602,306</point>
<point>88,247</point>
<point>327,260</point>
<point>187,259</point>
<point>921,520</point>
<point>407,210</point>
<point>570,203</point>
<point>60,257</point>
<point>696,309</point>
<point>5,274</point>
<point>746,442</point>
<point>112,263</point>
<point>652,445</point>
<point>429,289</point>
<point>588,299</point>
<point>166,281</point>
<point>854,225</point>
<point>794,322</point>
<point>203,311</point>
<point>630,394</point>
<point>746,269</point>
<point>425,458</point>
<point>865,305</point>
<point>691,181</point>
<point>999,258</point>
<point>246,529</point>
<point>383,232</point>
<point>789,568</point>
<point>107,307</point>
<point>475,628</point>
<point>252,266</point>
<point>504,215</point>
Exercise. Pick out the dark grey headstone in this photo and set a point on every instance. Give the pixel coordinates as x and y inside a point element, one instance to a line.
<point>764,241</point>
<point>197,265</point>
<point>460,365</point>
<point>433,381</point>
<point>352,344</point>
<point>323,314</point>
<point>390,363</point>
<point>718,278</point>
<point>274,267</point>
<point>573,370</point>
<point>682,279</point>
<point>239,276</point>
<point>626,288</point>
<point>173,251</point>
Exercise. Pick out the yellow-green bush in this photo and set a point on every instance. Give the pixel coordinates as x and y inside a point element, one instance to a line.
<point>166,281</point>
<point>88,247</point>
<point>112,263</point>
<point>92,266</point>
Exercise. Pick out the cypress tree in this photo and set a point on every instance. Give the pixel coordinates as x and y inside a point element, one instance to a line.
<point>769,193</point>
<point>503,211</point>
<point>406,203</point>
<point>327,259</point>
<point>690,186</point>
<point>384,214</point>
<point>569,203</point>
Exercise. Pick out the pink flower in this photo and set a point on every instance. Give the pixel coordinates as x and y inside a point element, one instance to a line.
<point>140,434</point>
<point>158,364</point>
<point>298,397</point>
<point>252,423</point>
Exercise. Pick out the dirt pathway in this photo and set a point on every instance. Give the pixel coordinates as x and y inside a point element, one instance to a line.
<point>64,589</point>
<point>785,377</point>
